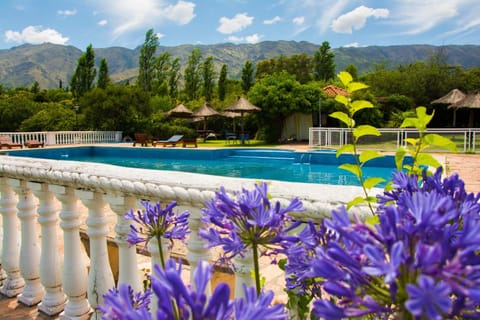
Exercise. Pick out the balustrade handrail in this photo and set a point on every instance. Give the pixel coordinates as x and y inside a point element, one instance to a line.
<point>31,189</point>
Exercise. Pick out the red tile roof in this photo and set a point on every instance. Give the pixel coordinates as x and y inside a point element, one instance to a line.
<point>332,90</point>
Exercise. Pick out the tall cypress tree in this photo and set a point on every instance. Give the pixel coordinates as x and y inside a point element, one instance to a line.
<point>208,73</point>
<point>247,76</point>
<point>103,78</point>
<point>84,74</point>
<point>192,74</point>
<point>146,61</point>
<point>222,83</point>
<point>323,63</point>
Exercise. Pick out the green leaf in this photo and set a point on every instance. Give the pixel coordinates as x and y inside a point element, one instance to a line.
<point>409,123</point>
<point>356,201</point>
<point>427,160</point>
<point>412,141</point>
<point>368,155</point>
<point>343,117</point>
<point>439,141</point>
<point>373,220</point>
<point>365,130</point>
<point>424,118</point>
<point>345,77</point>
<point>399,156</point>
<point>372,182</point>
<point>346,148</point>
<point>350,167</point>
<point>358,105</point>
<point>342,99</point>
<point>355,86</point>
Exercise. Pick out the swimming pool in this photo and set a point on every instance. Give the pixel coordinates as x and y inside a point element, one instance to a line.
<point>320,167</point>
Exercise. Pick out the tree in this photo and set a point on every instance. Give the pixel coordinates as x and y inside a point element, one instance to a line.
<point>192,74</point>
<point>323,63</point>
<point>173,78</point>
<point>103,78</point>
<point>222,83</point>
<point>247,76</point>
<point>84,74</point>
<point>146,61</point>
<point>208,75</point>
<point>353,70</point>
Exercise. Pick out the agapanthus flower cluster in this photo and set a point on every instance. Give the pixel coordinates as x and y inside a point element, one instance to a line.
<point>157,223</point>
<point>177,301</point>
<point>246,220</point>
<point>420,261</point>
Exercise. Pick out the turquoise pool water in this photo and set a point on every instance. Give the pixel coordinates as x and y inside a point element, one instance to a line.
<point>266,164</point>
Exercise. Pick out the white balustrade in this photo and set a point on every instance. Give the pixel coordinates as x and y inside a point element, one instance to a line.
<point>30,245</point>
<point>50,261</point>
<point>100,276</point>
<point>13,284</point>
<point>88,193</point>
<point>74,273</point>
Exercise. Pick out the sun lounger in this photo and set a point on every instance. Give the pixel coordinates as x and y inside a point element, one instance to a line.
<point>34,144</point>
<point>189,142</point>
<point>173,140</point>
<point>141,139</point>
<point>6,141</point>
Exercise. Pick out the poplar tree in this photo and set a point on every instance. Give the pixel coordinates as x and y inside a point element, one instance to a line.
<point>323,63</point>
<point>103,78</point>
<point>192,74</point>
<point>247,76</point>
<point>146,61</point>
<point>84,74</point>
<point>222,83</point>
<point>174,77</point>
<point>208,74</point>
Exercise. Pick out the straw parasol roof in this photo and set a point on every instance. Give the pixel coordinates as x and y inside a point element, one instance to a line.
<point>472,102</point>
<point>180,111</point>
<point>242,106</point>
<point>453,96</point>
<point>205,112</point>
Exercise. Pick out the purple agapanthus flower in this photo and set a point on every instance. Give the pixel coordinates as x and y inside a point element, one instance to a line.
<point>428,299</point>
<point>248,219</point>
<point>157,222</point>
<point>423,250</point>
<point>255,306</point>
<point>125,304</point>
<point>180,301</point>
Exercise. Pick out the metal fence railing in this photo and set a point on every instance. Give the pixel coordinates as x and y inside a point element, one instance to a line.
<point>325,137</point>
<point>65,137</point>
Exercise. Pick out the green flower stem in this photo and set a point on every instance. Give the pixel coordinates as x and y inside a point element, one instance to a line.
<point>256,267</point>
<point>160,251</point>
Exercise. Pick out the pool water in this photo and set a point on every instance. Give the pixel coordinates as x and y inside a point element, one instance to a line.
<point>265,164</point>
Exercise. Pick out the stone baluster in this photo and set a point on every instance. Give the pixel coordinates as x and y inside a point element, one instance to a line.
<point>100,278</point>
<point>74,273</point>
<point>30,245</point>
<point>13,284</point>
<point>243,267</point>
<point>50,261</point>
<point>196,249</point>
<point>154,250</point>
<point>128,266</point>
<point>3,274</point>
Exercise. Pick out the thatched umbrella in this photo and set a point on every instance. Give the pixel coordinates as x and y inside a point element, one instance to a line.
<point>450,98</point>
<point>231,115</point>
<point>242,106</point>
<point>204,112</point>
<point>180,111</point>
<point>471,101</point>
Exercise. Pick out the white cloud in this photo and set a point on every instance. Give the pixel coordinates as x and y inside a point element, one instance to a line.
<point>298,21</point>
<point>357,18</point>
<point>237,23</point>
<point>254,38</point>
<point>421,16</point>
<point>102,22</point>
<point>352,45</point>
<point>127,16</point>
<point>67,12</point>
<point>160,35</point>
<point>272,21</point>
<point>35,35</point>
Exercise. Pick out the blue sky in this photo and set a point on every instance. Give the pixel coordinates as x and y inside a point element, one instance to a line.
<point>343,23</point>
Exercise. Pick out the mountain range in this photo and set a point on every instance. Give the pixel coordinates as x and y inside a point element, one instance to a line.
<point>51,64</point>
